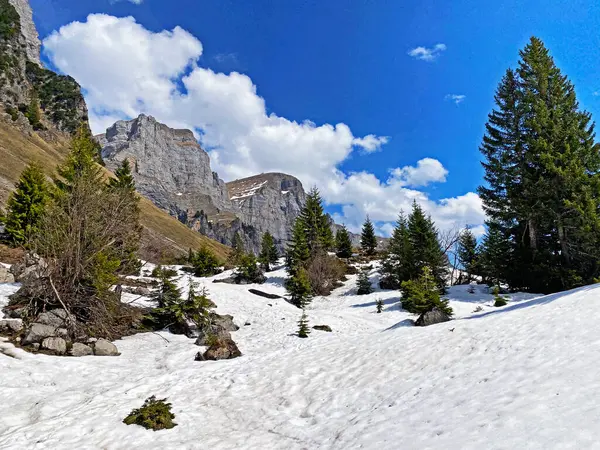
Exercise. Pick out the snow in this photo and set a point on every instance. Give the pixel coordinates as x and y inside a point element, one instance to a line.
<point>249,192</point>
<point>521,376</point>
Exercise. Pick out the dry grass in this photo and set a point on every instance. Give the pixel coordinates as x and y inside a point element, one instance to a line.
<point>164,235</point>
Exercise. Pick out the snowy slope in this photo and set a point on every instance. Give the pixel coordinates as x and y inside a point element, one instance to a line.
<point>522,376</point>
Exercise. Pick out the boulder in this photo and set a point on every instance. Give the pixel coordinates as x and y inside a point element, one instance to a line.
<point>11,325</point>
<point>37,332</point>
<point>224,321</point>
<point>264,294</point>
<point>56,345</point>
<point>6,276</point>
<point>102,347</point>
<point>221,349</point>
<point>80,349</point>
<point>219,328</point>
<point>432,317</point>
<point>323,328</point>
<point>57,318</point>
<point>31,268</point>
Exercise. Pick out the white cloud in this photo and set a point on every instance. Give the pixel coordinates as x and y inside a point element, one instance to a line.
<point>456,98</point>
<point>596,93</point>
<point>427,170</point>
<point>427,54</point>
<point>136,2</point>
<point>126,69</point>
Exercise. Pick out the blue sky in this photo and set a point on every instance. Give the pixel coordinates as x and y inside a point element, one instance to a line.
<point>347,61</point>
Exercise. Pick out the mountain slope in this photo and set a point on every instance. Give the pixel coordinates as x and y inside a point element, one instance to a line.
<point>164,234</point>
<point>522,376</point>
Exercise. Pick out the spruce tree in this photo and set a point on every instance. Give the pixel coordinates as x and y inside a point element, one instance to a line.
<point>124,177</point>
<point>379,305</point>
<point>397,264</point>
<point>368,241</point>
<point>468,253</point>
<point>425,248</point>
<point>33,113</point>
<point>238,251</point>
<point>298,252</point>
<point>316,224</point>
<point>247,270</point>
<point>26,205</point>
<point>422,294</point>
<point>204,262</point>
<point>363,283</point>
<point>496,257</point>
<point>543,176</point>
<point>303,329</point>
<point>298,286</point>
<point>343,244</point>
<point>268,253</point>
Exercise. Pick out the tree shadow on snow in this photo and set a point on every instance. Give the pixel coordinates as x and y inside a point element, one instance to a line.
<point>534,302</point>
<point>389,301</point>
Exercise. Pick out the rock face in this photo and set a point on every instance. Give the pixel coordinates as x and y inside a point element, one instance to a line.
<point>432,317</point>
<point>28,30</point>
<point>169,166</point>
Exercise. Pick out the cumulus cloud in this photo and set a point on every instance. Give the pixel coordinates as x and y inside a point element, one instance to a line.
<point>427,54</point>
<point>126,70</point>
<point>456,98</point>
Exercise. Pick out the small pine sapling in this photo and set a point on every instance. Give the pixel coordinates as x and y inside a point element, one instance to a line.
<point>153,415</point>
<point>379,304</point>
<point>303,329</point>
<point>363,283</point>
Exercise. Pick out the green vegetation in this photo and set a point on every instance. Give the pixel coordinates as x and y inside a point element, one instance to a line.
<point>468,253</point>
<point>204,262</point>
<point>268,253</point>
<point>423,294</point>
<point>363,283</point>
<point>10,22</point>
<point>303,328</point>
<point>343,244</point>
<point>248,271</point>
<point>368,241</point>
<point>379,305</point>
<point>153,415</point>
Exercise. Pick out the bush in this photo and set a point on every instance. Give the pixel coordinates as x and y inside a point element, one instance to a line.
<point>379,305</point>
<point>324,273</point>
<point>204,262</point>
<point>422,295</point>
<point>248,271</point>
<point>364,284</point>
<point>160,272</point>
<point>153,415</point>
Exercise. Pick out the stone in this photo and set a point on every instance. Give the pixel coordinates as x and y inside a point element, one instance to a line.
<point>219,328</point>
<point>264,294</point>
<point>11,325</point>
<point>56,345</point>
<point>37,332</point>
<point>28,30</point>
<point>432,317</point>
<point>35,346</point>
<point>102,347</point>
<point>6,276</point>
<point>79,349</point>
<point>30,269</point>
<point>222,349</point>
<point>56,318</point>
<point>323,328</point>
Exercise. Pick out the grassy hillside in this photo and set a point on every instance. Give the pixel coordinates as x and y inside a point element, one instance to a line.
<point>164,236</point>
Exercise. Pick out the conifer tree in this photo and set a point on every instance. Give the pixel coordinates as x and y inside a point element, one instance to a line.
<point>363,283</point>
<point>468,253</point>
<point>238,251</point>
<point>425,248</point>
<point>422,294</point>
<point>397,264</point>
<point>26,205</point>
<point>33,113</point>
<point>303,329</point>
<point>298,286</point>
<point>124,177</point>
<point>542,172</point>
<point>496,258</point>
<point>379,305</point>
<point>316,223</point>
<point>268,254</point>
<point>248,271</point>
<point>298,252</point>
<point>204,262</point>
<point>343,244</point>
<point>368,241</point>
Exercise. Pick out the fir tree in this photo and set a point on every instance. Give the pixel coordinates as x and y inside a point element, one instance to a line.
<point>124,178</point>
<point>468,253</point>
<point>423,294</point>
<point>238,251</point>
<point>495,255</point>
<point>33,113</point>
<point>303,329</point>
<point>397,264</point>
<point>248,271</point>
<point>26,205</point>
<point>298,252</point>
<point>316,224</point>
<point>204,262</point>
<point>368,241</point>
<point>425,248</point>
<point>379,305</point>
<point>363,283</point>
<point>298,286</point>
<point>343,244</point>
<point>268,254</point>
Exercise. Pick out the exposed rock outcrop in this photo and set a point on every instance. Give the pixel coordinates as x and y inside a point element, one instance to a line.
<point>28,30</point>
<point>432,317</point>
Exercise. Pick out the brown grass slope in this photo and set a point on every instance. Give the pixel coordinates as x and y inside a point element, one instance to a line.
<point>164,236</point>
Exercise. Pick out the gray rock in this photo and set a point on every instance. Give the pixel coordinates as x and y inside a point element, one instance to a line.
<point>219,328</point>
<point>224,321</point>
<point>6,276</point>
<point>323,328</point>
<point>11,325</point>
<point>56,318</point>
<point>264,294</point>
<point>36,346</point>
<point>432,317</point>
<point>30,269</point>
<point>57,345</point>
<point>37,332</point>
<point>28,30</point>
<point>102,347</point>
<point>222,349</point>
<point>80,349</point>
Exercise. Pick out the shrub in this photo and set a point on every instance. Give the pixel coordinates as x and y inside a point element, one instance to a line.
<point>153,415</point>
<point>364,284</point>
<point>204,262</point>
<point>247,270</point>
<point>160,272</point>
<point>422,295</point>
<point>324,273</point>
<point>379,305</point>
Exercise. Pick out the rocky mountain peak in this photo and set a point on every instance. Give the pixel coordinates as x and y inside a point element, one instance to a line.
<point>28,30</point>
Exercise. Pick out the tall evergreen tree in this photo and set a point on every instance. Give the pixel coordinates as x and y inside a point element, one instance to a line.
<point>396,266</point>
<point>343,244</point>
<point>298,252</point>
<point>495,255</point>
<point>298,285</point>
<point>543,176</point>
<point>425,248</point>
<point>268,253</point>
<point>238,251</point>
<point>124,177</point>
<point>33,113</point>
<point>26,205</point>
<point>368,241</point>
<point>316,223</point>
<point>468,253</point>
<point>303,329</point>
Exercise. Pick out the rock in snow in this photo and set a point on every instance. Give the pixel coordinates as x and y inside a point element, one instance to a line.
<point>432,317</point>
<point>37,333</point>
<point>79,349</point>
<point>55,345</point>
<point>102,347</point>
